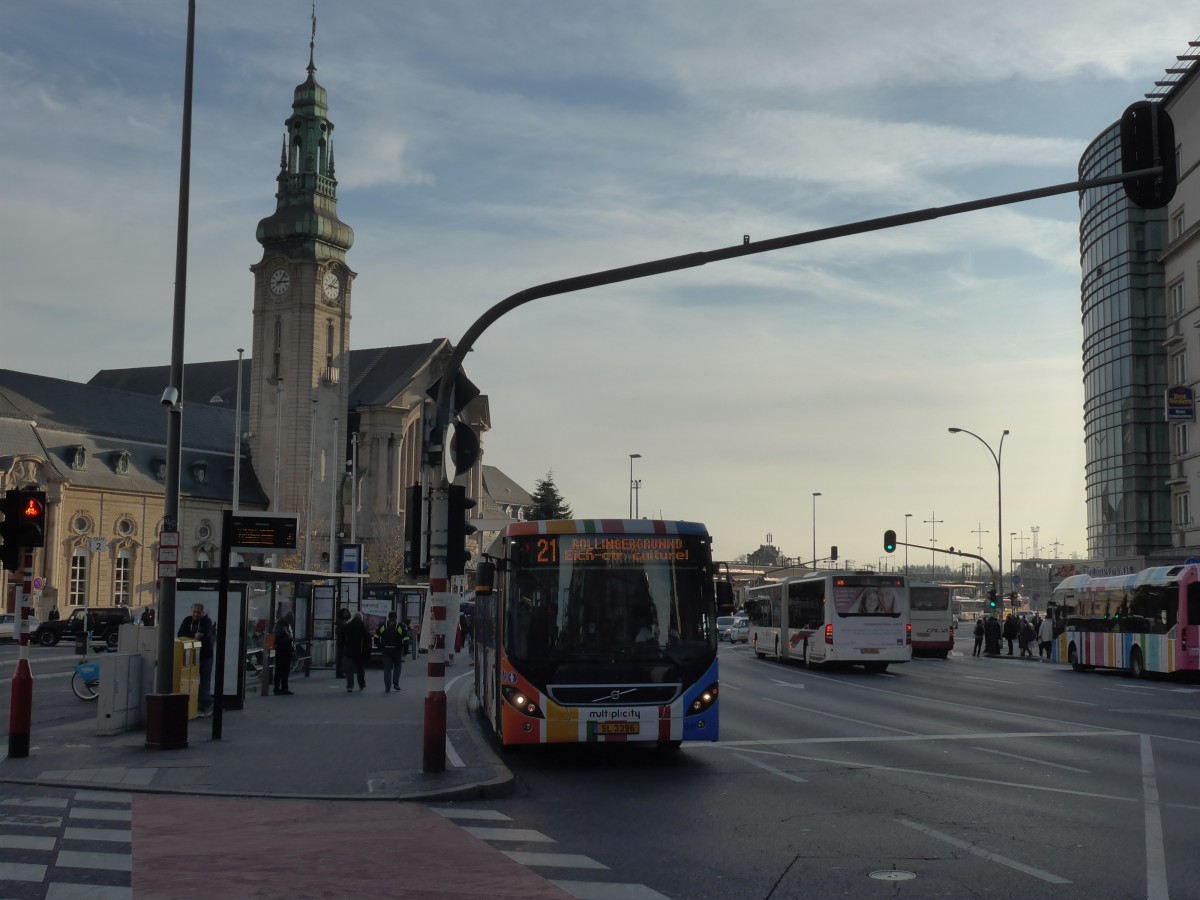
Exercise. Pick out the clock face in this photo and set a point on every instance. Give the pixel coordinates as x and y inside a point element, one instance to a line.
<point>280,280</point>
<point>332,286</point>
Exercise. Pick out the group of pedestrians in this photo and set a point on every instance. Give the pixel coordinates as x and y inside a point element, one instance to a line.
<point>353,643</point>
<point>989,634</point>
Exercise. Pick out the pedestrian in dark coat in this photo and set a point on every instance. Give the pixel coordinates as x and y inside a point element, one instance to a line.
<point>285,638</point>
<point>991,636</point>
<point>356,650</point>
<point>1012,631</point>
<point>343,616</point>
<point>980,631</point>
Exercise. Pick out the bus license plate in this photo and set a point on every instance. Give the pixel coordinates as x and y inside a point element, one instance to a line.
<point>617,727</point>
<point>870,649</point>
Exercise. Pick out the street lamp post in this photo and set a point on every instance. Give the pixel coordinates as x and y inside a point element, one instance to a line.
<point>907,516</point>
<point>997,455</point>
<point>632,457</point>
<point>1012,536</point>
<point>816,494</point>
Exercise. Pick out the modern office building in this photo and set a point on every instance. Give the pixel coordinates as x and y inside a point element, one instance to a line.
<point>1139,306</point>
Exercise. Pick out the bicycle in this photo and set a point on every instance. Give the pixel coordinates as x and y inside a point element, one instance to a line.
<point>86,680</point>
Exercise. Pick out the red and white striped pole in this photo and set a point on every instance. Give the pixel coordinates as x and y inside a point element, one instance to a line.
<point>20,711</point>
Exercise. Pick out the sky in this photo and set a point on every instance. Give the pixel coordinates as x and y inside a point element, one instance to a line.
<point>486,147</point>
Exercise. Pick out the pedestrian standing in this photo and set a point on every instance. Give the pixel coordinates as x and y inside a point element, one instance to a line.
<point>200,627</point>
<point>979,632</point>
<point>54,616</point>
<point>356,649</point>
<point>1011,631</point>
<point>991,631</point>
<point>1045,637</point>
<point>285,638</point>
<point>147,617</point>
<point>1028,637</point>
<point>339,626</point>
<point>391,635</point>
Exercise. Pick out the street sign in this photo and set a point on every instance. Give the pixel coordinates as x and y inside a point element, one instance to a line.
<point>168,570</point>
<point>168,539</point>
<point>168,554</point>
<point>96,545</point>
<point>38,582</point>
<point>263,532</point>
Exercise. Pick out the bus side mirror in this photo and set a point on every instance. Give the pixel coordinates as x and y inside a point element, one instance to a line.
<point>724,595</point>
<point>485,577</point>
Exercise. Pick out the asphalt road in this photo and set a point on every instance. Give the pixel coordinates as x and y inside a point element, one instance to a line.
<point>53,700</point>
<point>958,778</point>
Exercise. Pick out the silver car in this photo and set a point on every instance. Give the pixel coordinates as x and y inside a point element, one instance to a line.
<point>10,625</point>
<point>739,631</point>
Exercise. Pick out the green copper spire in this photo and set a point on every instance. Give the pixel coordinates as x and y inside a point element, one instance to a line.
<point>305,223</point>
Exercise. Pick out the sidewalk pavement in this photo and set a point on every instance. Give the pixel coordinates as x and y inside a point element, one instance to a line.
<point>276,807</point>
<point>320,742</point>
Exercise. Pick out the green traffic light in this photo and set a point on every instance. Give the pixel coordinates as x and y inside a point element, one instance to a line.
<point>889,541</point>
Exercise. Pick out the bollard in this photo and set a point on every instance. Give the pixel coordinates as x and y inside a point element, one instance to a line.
<point>20,711</point>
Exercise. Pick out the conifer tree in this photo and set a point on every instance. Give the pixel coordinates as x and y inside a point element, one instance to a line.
<point>548,503</point>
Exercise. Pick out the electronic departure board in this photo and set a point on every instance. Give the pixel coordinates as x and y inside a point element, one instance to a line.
<point>263,533</point>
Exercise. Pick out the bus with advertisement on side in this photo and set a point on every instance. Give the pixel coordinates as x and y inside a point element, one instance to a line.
<point>598,630</point>
<point>858,618</point>
<point>1147,621</point>
<point>931,613</point>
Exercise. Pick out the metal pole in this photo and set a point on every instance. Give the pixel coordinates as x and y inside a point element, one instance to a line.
<point>816,494</point>
<point>354,489</point>
<point>333,489</point>
<point>632,457</point>
<point>174,396</point>
<point>309,532</point>
<point>997,456</point>
<point>907,516</point>
<point>237,436</point>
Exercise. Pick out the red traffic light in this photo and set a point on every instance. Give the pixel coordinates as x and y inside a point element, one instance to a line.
<point>32,508</point>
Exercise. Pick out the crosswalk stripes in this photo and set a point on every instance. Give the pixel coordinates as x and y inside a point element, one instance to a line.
<point>61,844</point>
<point>583,890</point>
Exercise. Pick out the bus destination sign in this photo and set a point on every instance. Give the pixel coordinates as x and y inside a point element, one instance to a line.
<point>263,532</point>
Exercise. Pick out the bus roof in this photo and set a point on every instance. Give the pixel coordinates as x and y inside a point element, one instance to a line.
<point>604,526</point>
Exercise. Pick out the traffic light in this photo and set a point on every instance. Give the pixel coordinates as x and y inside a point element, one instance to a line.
<point>992,599</point>
<point>458,529</point>
<point>24,526</point>
<point>416,562</point>
<point>1147,141</point>
<point>889,541</point>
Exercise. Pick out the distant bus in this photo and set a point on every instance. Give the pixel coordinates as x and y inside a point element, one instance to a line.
<point>1145,622</point>
<point>836,617</point>
<point>968,609</point>
<point>932,618</point>
<point>598,630</point>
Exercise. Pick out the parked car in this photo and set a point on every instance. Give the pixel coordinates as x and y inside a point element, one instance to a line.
<point>104,625</point>
<point>724,623</point>
<point>739,631</point>
<point>10,625</point>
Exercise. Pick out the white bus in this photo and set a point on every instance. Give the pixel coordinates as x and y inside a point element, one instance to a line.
<point>835,617</point>
<point>932,618</point>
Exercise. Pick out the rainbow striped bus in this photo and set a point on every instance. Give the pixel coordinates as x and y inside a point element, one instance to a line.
<point>1148,621</point>
<point>598,630</point>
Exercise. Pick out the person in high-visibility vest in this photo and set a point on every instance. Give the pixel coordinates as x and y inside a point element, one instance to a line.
<point>392,635</point>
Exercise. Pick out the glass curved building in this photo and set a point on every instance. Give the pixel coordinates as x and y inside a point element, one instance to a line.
<point>1124,364</point>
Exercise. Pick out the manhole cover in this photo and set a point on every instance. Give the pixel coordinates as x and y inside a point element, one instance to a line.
<point>893,875</point>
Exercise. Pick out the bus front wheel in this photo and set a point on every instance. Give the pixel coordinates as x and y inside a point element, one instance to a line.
<point>1073,659</point>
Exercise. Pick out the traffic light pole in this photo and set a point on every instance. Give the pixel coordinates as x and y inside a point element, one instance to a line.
<point>435,697</point>
<point>20,710</point>
<point>950,551</point>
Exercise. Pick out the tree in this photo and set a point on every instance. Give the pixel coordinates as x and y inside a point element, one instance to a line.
<point>548,503</point>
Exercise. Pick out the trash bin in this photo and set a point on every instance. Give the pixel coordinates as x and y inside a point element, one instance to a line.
<point>186,673</point>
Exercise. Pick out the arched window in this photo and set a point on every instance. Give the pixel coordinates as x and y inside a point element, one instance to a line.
<point>203,561</point>
<point>77,592</point>
<point>123,578</point>
<point>278,349</point>
<point>329,343</point>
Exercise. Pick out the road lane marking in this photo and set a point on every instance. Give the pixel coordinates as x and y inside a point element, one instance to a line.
<point>790,684</point>
<point>767,767</point>
<point>819,712</point>
<point>981,736</point>
<point>508,834</point>
<point>1156,854</point>
<point>489,815</point>
<point>992,680</point>
<point>1040,762</point>
<point>600,890</point>
<point>986,854</point>
<point>553,860</point>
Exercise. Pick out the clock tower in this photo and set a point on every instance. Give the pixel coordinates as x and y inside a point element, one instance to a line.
<point>301,343</point>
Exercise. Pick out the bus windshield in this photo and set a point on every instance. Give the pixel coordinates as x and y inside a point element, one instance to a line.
<point>593,596</point>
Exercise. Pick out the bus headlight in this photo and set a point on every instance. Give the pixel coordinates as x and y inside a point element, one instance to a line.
<point>704,700</point>
<point>519,700</point>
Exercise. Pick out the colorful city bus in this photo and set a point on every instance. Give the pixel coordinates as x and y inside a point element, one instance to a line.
<point>932,616</point>
<point>598,630</point>
<point>1148,621</point>
<point>834,617</point>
